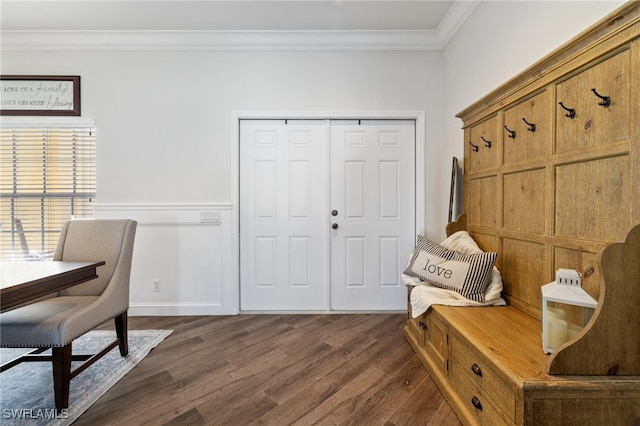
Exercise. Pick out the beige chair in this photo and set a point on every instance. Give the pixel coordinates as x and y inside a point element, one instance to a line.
<point>56,321</point>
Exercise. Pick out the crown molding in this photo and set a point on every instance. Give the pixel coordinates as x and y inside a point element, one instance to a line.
<point>457,15</point>
<point>96,40</point>
<point>219,40</point>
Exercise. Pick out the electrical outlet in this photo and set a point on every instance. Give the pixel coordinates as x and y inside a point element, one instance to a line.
<point>156,284</point>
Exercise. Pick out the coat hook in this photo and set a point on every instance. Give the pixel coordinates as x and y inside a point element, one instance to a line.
<point>572,112</point>
<point>486,142</point>
<point>532,127</point>
<point>474,147</point>
<point>512,133</point>
<point>606,101</point>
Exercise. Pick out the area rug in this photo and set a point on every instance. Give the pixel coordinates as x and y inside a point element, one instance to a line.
<point>26,390</point>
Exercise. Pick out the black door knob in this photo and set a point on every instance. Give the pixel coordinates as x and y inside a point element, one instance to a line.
<point>334,226</point>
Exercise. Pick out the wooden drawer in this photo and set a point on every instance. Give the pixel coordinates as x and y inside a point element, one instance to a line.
<point>467,367</point>
<point>418,327</point>
<point>437,339</point>
<point>475,400</point>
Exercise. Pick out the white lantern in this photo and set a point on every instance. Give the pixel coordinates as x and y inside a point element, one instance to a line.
<point>566,309</point>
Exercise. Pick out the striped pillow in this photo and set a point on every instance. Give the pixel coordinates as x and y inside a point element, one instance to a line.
<point>467,274</point>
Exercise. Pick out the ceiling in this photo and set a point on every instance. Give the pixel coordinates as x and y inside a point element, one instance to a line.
<point>403,24</point>
<point>220,15</point>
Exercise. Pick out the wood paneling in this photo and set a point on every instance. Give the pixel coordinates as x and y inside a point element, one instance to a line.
<point>595,124</point>
<point>532,127</point>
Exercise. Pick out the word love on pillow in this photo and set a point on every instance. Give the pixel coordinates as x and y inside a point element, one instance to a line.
<point>467,274</point>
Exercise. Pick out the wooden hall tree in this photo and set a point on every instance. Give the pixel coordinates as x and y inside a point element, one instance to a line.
<point>552,180</point>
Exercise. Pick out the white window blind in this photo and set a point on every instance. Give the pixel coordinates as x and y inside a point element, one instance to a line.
<point>47,176</point>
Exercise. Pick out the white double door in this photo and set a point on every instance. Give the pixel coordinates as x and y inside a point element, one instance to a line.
<point>327,213</point>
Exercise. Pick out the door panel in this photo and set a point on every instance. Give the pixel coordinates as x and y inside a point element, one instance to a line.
<point>373,190</point>
<point>355,178</point>
<point>283,209</point>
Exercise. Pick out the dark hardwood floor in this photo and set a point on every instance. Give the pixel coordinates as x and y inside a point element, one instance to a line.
<point>275,370</point>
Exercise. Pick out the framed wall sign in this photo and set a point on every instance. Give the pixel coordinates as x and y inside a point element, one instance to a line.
<point>39,95</point>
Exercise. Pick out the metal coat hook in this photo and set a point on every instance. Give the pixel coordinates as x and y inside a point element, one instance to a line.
<point>512,133</point>
<point>474,147</point>
<point>486,142</point>
<point>532,127</point>
<point>572,112</point>
<point>606,100</point>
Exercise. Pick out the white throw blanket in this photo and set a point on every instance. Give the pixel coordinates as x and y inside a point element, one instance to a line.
<point>424,295</point>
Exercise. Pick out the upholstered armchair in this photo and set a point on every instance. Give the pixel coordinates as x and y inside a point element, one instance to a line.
<point>59,319</point>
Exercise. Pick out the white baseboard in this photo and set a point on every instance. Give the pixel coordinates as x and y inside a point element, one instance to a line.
<point>186,309</point>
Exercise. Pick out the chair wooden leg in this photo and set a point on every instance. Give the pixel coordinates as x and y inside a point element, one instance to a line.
<point>61,358</point>
<point>121,325</point>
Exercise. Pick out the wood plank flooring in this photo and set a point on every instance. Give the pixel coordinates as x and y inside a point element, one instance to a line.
<point>275,370</point>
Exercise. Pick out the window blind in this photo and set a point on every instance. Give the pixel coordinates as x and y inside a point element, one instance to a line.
<point>47,176</point>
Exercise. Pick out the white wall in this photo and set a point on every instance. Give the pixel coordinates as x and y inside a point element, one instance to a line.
<point>498,41</point>
<point>165,140</point>
<point>163,116</point>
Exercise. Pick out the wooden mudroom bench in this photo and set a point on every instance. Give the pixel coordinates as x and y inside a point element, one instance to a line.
<point>489,363</point>
<point>551,180</point>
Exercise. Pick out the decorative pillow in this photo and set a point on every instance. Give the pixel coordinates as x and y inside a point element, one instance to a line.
<point>463,242</point>
<point>467,274</point>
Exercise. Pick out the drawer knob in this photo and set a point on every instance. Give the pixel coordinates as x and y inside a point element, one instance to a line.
<point>476,403</point>
<point>476,369</point>
<point>422,325</point>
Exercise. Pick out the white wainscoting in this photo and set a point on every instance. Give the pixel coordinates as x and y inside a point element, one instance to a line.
<point>189,250</point>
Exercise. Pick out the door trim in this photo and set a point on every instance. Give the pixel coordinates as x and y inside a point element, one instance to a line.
<point>233,298</point>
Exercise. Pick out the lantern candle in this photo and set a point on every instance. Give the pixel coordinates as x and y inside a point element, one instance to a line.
<point>573,331</point>
<point>557,332</point>
<point>556,313</point>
